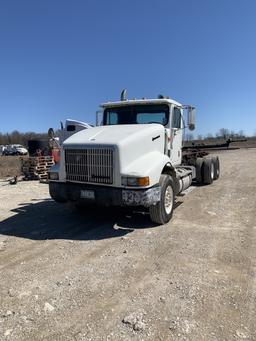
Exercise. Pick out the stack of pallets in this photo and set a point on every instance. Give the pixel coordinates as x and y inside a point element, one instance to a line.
<point>36,167</point>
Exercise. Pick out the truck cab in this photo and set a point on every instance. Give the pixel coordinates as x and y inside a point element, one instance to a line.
<point>164,112</point>
<point>134,158</point>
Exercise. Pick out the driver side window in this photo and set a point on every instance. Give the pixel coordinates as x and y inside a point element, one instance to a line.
<point>176,118</point>
<point>112,118</point>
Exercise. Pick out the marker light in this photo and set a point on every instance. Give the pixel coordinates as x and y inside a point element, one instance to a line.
<point>135,182</point>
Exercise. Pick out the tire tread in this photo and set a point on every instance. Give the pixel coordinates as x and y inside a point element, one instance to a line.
<point>207,178</point>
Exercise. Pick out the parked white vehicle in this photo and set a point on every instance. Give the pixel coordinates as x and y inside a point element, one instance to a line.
<point>134,159</point>
<point>2,149</point>
<point>72,127</point>
<point>15,149</point>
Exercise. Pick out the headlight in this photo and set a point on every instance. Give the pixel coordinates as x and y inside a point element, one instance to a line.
<point>53,175</point>
<point>135,182</point>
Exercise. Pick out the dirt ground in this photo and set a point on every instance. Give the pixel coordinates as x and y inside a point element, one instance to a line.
<point>105,275</point>
<point>9,166</point>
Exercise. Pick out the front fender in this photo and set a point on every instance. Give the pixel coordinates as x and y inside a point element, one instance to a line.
<point>150,164</point>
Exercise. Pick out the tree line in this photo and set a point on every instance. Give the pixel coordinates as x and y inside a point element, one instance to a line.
<point>17,137</point>
<point>222,134</point>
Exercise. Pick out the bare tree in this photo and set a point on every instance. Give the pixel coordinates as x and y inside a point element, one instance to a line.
<point>224,133</point>
<point>241,133</point>
<point>189,137</point>
<point>209,136</point>
<point>17,137</point>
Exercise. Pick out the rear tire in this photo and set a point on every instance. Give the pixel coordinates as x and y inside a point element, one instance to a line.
<point>216,167</point>
<point>208,171</point>
<point>161,213</point>
<point>199,164</point>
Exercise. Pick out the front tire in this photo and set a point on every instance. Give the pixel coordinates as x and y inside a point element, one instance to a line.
<point>55,193</point>
<point>161,213</point>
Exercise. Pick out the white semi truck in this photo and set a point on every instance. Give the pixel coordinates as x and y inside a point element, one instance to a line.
<point>134,158</point>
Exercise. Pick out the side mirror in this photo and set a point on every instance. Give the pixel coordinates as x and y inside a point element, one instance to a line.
<point>191,118</point>
<point>51,133</point>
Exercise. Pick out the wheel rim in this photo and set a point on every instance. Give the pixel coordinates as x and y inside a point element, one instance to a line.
<point>168,200</point>
<point>212,170</point>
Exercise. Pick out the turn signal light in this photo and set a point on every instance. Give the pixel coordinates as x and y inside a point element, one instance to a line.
<point>143,181</point>
<point>135,182</point>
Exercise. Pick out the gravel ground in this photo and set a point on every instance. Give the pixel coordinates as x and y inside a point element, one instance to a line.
<point>109,275</point>
<point>10,166</point>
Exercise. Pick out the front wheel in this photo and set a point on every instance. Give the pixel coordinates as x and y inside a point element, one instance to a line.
<point>56,193</point>
<point>161,213</point>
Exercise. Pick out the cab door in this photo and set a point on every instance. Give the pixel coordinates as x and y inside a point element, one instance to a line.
<point>176,136</point>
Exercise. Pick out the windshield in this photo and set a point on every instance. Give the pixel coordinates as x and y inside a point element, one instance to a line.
<point>137,114</point>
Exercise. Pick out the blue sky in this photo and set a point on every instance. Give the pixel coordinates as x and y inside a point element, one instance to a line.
<point>60,59</point>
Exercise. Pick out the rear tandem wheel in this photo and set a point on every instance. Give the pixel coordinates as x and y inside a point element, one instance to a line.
<point>207,169</point>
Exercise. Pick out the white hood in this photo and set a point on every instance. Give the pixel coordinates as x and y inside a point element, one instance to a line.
<point>114,135</point>
<point>135,146</point>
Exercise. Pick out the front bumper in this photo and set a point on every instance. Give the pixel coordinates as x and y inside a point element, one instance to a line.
<point>103,195</point>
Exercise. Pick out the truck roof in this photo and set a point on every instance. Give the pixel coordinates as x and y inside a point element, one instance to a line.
<point>140,102</point>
